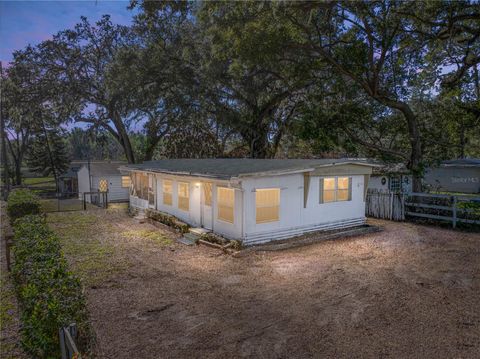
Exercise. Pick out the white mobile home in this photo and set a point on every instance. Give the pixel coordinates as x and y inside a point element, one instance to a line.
<point>104,177</point>
<point>254,200</point>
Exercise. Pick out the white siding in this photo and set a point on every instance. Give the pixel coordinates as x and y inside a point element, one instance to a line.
<point>83,181</point>
<point>116,193</point>
<point>294,218</point>
<point>375,182</point>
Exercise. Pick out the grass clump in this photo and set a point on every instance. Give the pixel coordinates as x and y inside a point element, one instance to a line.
<point>83,239</point>
<point>148,234</point>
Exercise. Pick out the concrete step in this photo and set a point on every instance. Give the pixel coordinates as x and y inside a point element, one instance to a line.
<point>199,231</point>
<point>191,236</point>
<point>185,241</point>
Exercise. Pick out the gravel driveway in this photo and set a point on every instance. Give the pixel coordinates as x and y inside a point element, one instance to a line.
<point>410,291</point>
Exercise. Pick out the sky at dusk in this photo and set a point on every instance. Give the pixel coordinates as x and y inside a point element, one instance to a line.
<point>30,22</point>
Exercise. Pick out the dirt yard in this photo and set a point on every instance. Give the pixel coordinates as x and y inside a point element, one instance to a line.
<point>410,291</point>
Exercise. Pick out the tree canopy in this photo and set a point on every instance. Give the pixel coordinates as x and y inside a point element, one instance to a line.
<point>394,80</point>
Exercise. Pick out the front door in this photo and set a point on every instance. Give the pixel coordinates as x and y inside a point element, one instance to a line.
<point>152,186</point>
<point>206,204</point>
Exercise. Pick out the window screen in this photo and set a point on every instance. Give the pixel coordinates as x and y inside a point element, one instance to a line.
<point>267,205</point>
<point>167,192</point>
<point>183,196</point>
<point>226,202</point>
<point>395,184</point>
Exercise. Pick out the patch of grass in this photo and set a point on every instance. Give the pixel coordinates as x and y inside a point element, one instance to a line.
<point>83,242</point>
<point>43,181</point>
<point>70,204</point>
<point>149,234</point>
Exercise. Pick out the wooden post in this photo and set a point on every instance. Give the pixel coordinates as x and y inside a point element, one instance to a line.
<point>63,348</point>
<point>84,202</point>
<point>391,205</point>
<point>454,211</point>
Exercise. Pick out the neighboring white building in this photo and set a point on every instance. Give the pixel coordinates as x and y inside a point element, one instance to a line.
<point>462,175</point>
<point>391,177</point>
<point>254,200</point>
<point>104,176</point>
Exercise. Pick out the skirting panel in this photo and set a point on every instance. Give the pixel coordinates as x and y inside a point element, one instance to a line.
<point>264,237</point>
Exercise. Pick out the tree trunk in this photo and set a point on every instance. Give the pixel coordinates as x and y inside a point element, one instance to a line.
<point>123,136</point>
<point>150,148</point>
<point>416,155</point>
<point>18,172</point>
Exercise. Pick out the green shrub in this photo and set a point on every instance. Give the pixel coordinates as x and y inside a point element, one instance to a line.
<point>22,202</point>
<point>50,296</point>
<point>168,220</point>
<point>215,238</point>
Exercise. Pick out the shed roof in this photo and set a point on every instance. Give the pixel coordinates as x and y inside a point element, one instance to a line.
<point>462,162</point>
<point>106,168</point>
<point>227,168</point>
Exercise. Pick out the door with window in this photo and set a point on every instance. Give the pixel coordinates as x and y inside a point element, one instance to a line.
<point>152,186</point>
<point>206,199</point>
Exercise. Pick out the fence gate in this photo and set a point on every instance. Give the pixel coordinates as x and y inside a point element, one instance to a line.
<point>97,198</point>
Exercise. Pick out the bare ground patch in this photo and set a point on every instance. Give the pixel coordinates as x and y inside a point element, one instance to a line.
<point>410,291</point>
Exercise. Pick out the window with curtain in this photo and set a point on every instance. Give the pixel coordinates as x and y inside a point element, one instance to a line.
<point>183,196</point>
<point>225,204</point>
<point>335,189</point>
<point>126,181</point>
<point>207,193</point>
<point>267,205</point>
<point>167,192</point>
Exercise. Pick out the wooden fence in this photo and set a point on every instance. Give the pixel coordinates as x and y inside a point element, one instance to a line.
<point>439,207</point>
<point>385,205</point>
<point>68,347</point>
<point>443,207</point>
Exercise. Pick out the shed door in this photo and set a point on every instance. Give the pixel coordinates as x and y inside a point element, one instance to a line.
<point>206,199</point>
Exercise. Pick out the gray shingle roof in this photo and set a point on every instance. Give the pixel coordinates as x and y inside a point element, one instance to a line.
<point>106,168</point>
<point>463,162</point>
<point>228,168</point>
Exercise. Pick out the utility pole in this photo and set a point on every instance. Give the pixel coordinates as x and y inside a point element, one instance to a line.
<point>3,149</point>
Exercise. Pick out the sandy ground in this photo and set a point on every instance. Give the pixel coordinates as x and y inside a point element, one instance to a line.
<point>410,291</point>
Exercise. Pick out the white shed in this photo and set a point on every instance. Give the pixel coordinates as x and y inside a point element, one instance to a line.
<point>255,200</point>
<point>104,176</point>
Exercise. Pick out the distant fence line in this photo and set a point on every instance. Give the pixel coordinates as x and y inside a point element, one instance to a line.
<point>440,207</point>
